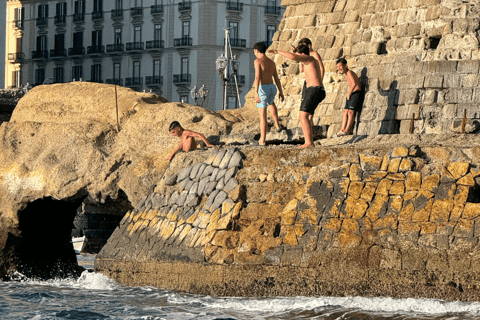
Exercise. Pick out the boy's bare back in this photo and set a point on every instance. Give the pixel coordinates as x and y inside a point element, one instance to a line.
<point>267,68</point>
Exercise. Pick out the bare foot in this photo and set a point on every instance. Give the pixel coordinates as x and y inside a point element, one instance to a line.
<point>303,146</point>
<point>262,143</point>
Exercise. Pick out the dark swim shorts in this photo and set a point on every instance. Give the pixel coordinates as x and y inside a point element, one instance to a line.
<point>312,97</point>
<point>356,100</point>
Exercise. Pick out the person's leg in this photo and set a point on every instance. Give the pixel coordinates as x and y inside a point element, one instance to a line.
<point>306,128</point>
<point>351,117</point>
<point>310,118</point>
<point>262,112</point>
<point>274,112</point>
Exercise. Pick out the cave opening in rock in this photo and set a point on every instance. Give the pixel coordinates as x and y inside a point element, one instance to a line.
<point>46,249</point>
<point>474,193</point>
<point>434,42</point>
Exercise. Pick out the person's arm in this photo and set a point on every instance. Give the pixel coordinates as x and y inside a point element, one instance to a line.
<point>278,84</point>
<point>198,135</point>
<point>170,156</point>
<point>258,70</point>
<point>293,56</point>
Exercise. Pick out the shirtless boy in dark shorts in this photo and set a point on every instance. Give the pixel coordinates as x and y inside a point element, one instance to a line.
<point>314,91</point>
<point>187,142</point>
<point>355,98</point>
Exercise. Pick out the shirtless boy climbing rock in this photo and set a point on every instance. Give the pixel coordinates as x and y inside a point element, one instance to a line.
<point>187,138</point>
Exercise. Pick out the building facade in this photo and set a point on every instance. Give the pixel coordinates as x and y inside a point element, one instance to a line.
<point>164,46</point>
<point>2,44</point>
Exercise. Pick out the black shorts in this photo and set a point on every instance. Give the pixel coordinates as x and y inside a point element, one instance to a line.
<point>312,97</point>
<point>356,100</point>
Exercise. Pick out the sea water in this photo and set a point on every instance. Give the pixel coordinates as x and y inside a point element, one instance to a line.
<point>94,296</point>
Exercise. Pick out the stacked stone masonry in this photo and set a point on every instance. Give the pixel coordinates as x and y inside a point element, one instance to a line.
<point>379,218</point>
<point>417,60</point>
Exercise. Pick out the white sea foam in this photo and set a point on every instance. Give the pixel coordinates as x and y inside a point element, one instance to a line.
<point>87,280</point>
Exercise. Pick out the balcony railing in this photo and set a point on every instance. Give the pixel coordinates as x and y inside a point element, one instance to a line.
<point>234,6</point>
<point>55,53</point>
<point>133,81</point>
<point>240,80</point>
<point>155,44</point>
<point>76,51</point>
<point>18,56</point>
<point>118,47</point>
<point>42,54</point>
<point>137,11</point>
<point>97,15</point>
<point>41,21</point>
<point>18,23</point>
<point>95,49</point>
<point>96,80</point>
<point>239,43</point>
<point>78,17</point>
<point>273,10</point>
<point>182,78</point>
<point>153,80</point>
<point>156,9</point>
<point>185,6</point>
<point>60,19</point>
<point>132,46</point>
<point>117,13</point>
<point>114,81</point>
<point>182,42</point>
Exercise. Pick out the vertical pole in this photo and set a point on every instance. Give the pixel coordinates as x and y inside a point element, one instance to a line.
<point>225,76</point>
<point>116,107</point>
<point>464,121</point>
<point>412,123</point>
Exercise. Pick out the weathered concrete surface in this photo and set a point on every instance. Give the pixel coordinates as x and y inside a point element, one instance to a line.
<point>378,221</point>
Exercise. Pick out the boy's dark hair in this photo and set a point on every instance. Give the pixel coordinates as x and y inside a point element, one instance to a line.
<point>303,48</point>
<point>342,61</point>
<point>261,47</point>
<point>173,125</point>
<point>305,41</point>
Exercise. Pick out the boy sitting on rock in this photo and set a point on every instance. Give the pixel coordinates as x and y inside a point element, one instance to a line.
<point>187,142</point>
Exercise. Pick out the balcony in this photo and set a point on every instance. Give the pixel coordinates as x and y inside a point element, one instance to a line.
<point>97,15</point>
<point>41,21</point>
<point>234,6</point>
<point>135,46</point>
<point>133,81</point>
<point>155,80</point>
<point>16,57</point>
<point>156,9</point>
<point>184,6</point>
<point>117,13</point>
<point>58,53</point>
<point>240,80</point>
<point>238,43</point>
<point>95,49</point>
<point>137,11</point>
<point>60,19</point>
<point>118,82</point>
<point>183,78</point>
<point>155,44</point>
<point>118,47</point>
<point>18,23</point>
<point>182,42</point>
<point>273,10</point>
<point>79,17</point>
<point>42,54</point>
<point>76,51</point>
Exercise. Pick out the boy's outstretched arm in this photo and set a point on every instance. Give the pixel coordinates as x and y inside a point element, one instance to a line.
<point>170,156</point>
<point>198,135</point>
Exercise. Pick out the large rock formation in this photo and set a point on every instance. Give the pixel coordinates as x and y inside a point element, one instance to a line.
<point>416,58</point>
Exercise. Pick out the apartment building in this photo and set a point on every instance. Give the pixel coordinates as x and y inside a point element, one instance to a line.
<point>2,45</point>
<point>164,46</point>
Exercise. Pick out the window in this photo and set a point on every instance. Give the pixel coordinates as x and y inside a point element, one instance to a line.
<point>43,11</point>
<point>184,99</point>
<point>97,38</point>
<point>233,30</point>
<point>186,29</point>
<point>61,10</point>
<point>16,81</point>
<point>138,3</point>
<point>184,66</point>
<point>156,68</point>
<point>116,71</point>
<point>118,5</point>
<point>157,32</point>
<point>118,35</point>
<point>19,45</point>
<point>231,102</point>
<point>270,32</point>
<point>59,41</point>
<point>271,3</point>
<point>41,43</point>
<point>58,75</point>
<point>96,73</point>
<point>157,2</point>
<point>77,73</point>
<point>78,39</point>
<point>79,7</point>
<point>136,69</point>
<point>97,5</point>
<point>137,35</point>
<point>39,76</point>
<point>19,13</point>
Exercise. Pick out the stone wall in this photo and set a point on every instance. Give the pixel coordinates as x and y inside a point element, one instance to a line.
<point>416,58</point>
<point>401,222</point>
